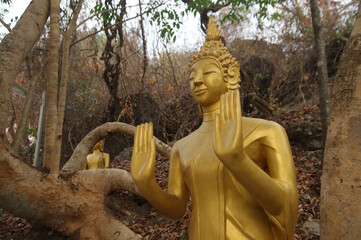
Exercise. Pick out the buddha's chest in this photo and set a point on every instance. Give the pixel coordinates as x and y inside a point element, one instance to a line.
<point>198,154</point>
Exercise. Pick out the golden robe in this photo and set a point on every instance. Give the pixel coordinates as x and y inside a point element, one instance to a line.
<point>222,207</point>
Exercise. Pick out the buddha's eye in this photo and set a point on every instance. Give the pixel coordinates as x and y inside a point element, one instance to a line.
<point>208,72</point>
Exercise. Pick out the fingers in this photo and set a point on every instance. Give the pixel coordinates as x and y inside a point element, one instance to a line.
<point>143,137</point>
<point>231,98</point>
<point>146,136</point>
<point>230,106</point>
<point>217,129</point>
<point>150,131</point>
<point>226,107</point>
<point>221,109</point>
<point>136,140</point>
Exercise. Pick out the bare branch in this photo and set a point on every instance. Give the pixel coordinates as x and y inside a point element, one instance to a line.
<point>5,25</point>
<point>95,14</point>
<point>144,44</point>
<point>119,22</point>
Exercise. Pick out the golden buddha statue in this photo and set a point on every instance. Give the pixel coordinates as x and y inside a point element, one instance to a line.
<point>239,171</point>
<point>97,159</point>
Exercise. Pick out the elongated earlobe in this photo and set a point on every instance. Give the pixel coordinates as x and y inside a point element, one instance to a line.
<point>233,77</point>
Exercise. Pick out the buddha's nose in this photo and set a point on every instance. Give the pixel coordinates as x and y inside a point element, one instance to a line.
<point>198,81</point>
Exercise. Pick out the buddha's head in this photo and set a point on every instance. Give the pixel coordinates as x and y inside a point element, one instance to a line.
<point>212,70</point>
<point>99,145</point>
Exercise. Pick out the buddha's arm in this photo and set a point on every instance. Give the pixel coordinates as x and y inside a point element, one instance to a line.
<point>270,189</point>
<point>171,203</point>
<point>281,169</point>
<point>266,190</point>
<point>228,145</point>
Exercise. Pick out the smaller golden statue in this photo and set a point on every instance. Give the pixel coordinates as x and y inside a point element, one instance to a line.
<point>239,171</point>
<point>98,159</point>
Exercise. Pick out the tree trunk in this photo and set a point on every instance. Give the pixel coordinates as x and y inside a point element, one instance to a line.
<point>322,75</point>
<point>341,179</point>
<point>71,204</point>
<point>64,80</point>
<point>52,90</point>
<point>15,47</point>
<point>26,107</point>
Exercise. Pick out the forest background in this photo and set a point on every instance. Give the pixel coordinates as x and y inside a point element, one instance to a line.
<point>132,72</point>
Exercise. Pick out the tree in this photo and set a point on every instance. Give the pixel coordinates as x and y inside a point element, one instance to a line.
<point>52,90</point>
<point>68,203</point>
<point>15,47</point>
<point>64,80</point>
<point>341,182</point>
<point>324,92</point>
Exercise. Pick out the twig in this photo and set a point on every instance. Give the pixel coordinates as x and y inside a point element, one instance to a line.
<point>5,25</point>
<point>95,14</point>
<point>119,22</point>
<point>171,64</point>
<point>144,45</point>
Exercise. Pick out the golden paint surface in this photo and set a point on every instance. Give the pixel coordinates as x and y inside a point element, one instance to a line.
<point>239,171</point>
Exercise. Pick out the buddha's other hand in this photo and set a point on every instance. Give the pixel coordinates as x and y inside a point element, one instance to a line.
<point>227,135</point>
<point>143,158</point>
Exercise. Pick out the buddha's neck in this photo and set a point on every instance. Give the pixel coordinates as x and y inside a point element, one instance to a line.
<point>210,116</point>
<point>208,120</point>
<point>96,151</point>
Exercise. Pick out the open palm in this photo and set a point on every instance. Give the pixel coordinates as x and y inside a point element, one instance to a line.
<point>143,158</point>
<point>227,136</point>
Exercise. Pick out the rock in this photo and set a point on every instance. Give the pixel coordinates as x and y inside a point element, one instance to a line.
<point>312,227</point>
<point>306,133</point>
<point>183,235</point>
<point>51,233</point>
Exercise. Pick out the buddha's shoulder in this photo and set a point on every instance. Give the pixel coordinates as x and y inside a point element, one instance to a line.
<point>261,126</point>
<point>185,141</point>
<point>259,122</point>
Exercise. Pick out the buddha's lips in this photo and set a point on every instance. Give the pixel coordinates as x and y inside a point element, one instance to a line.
<point>200,91</point>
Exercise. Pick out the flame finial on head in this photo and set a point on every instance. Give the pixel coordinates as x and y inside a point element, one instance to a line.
<point>213,33</point>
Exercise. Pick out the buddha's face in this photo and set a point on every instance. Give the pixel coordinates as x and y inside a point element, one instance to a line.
<point>206,82</point>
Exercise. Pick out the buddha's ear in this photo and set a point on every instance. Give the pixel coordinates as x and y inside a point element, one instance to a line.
<point>233,78</point>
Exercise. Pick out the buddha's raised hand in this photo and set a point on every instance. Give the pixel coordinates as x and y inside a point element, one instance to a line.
<point>227,136</point>
<point>143,158</point>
